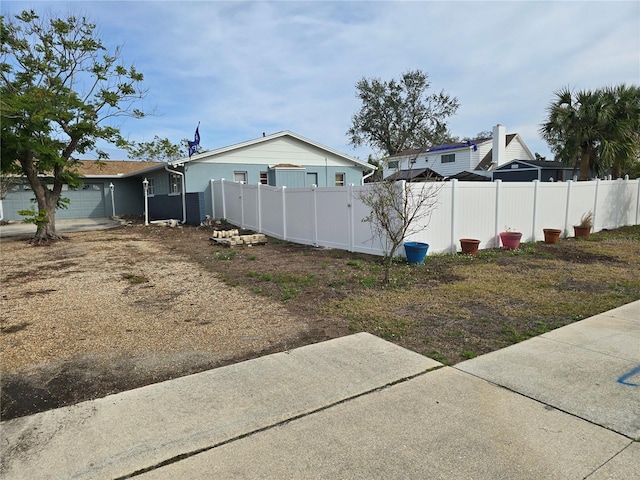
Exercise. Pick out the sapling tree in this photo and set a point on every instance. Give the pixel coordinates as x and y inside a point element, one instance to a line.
<point>61,91</point>
<point>398,209</point>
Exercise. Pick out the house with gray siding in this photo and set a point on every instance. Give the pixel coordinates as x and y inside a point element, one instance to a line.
<point>528,170</point>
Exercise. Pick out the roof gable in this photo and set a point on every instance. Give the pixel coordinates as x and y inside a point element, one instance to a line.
<point>268,138</point>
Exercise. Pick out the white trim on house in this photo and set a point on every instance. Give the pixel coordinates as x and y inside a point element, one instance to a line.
<point>267,138</point>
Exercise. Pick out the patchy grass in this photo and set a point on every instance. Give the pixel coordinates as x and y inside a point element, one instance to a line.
<point>135,279</point>
<point>450,308</point>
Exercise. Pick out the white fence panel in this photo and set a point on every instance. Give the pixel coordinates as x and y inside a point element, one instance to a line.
<point>332,216</point>
<point>250,208</point>
<point>550,207</point>
<point>515,209</point>
<point>300,213</point>
<point>272,218</point>
<point>363,239</point>
<point>474,214</point>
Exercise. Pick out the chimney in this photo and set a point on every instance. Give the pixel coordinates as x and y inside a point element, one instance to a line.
<point>498,155</point>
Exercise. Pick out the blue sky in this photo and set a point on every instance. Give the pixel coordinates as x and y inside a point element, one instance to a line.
<point>243,68</point>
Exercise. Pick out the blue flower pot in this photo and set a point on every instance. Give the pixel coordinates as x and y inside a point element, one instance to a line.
<point>416,251</point>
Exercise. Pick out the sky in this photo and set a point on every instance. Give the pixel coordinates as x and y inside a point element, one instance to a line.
<point>244,68</point>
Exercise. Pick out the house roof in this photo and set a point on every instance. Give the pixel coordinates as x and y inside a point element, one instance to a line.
<point>113,168</point>
<point>469,177</point>
<point>538,164</point>
<point>267,138</point>
<point>415,174</point>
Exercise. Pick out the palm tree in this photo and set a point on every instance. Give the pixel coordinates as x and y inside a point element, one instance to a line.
<point>620,144</point>
<point>572,129</point>
<point>595,130</point>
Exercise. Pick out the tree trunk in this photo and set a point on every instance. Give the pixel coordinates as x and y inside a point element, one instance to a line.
<point>616,169</point>
<point>46,199</point>
<point>47,229</point>
<point>584,164</point>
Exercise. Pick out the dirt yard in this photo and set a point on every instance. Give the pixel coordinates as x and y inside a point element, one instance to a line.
<point>111,310</point>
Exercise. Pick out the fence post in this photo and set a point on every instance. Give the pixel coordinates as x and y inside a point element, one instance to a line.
<point>638,203</point>
<point>314,192</point>
<point>595,203</point>
<point>224,200</point>
<point>259,207</point>
<point>566,208</point>
<point>496,237</point>
<point>241,197</point>
<point>454,188</point>
<point>284,214</point>
<point>352,227</point>
<point>213,199</point>
<point>534,226</point>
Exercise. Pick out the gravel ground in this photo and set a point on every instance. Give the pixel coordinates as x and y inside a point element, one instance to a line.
<point>98,300</point>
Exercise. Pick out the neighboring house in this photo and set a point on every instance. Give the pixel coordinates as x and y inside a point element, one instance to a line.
<point>479,157</point>
<point>181,189</point>
<point>528,170</point>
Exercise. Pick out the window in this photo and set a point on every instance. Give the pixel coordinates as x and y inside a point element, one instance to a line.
<point>448,158</point>
<point>264,178</point>
<point>151,187</point>
<point>312,178</point>
<point>339,179</point>
<point>175,184</point>
<point>393,164</point>
<point>240,177</point>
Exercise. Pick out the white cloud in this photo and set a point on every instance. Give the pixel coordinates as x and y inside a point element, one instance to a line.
<point>243,68</point>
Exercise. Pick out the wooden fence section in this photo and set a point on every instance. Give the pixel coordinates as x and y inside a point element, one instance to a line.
<point>332,216</point>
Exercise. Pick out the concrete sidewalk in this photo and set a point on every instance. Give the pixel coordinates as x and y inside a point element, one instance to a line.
<point>18,229</point>
<point>565,405</point>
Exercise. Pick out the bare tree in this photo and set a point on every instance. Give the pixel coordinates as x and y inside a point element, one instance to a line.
<point>398,210</point>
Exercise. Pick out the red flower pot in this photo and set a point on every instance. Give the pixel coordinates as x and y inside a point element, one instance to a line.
<point>510,240</point>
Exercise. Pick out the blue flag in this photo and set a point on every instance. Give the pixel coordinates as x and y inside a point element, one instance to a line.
<point>193,146</point>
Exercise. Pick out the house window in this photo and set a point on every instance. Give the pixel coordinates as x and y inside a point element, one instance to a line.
<point>264,178</point>
<point>312,179</point>
<point>393,164</point>
<point>175,184</point>
<point>339,179</point>
<point>151,187</point>
<point>448,158</point>
<point>240,177</point>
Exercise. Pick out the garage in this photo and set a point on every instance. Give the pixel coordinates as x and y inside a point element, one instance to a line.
<point>87,201</point>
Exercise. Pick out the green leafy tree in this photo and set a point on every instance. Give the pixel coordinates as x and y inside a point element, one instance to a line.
<point>401,114</point>
<point>595,130</point>
<point>158,150</point>
<point>60,92</point>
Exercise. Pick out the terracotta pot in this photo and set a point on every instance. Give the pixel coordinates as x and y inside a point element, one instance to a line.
<point>469,246</point>
<point>510,240</point>
<point>551,235</point>
<point>581,232</point>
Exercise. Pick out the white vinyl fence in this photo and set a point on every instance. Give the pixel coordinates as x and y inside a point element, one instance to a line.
<point>332,216</point>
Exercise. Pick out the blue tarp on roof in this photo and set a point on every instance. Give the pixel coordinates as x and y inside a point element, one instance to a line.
<point>453,146</point>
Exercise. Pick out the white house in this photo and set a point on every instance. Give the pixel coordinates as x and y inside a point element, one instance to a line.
<point>480,156</point>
